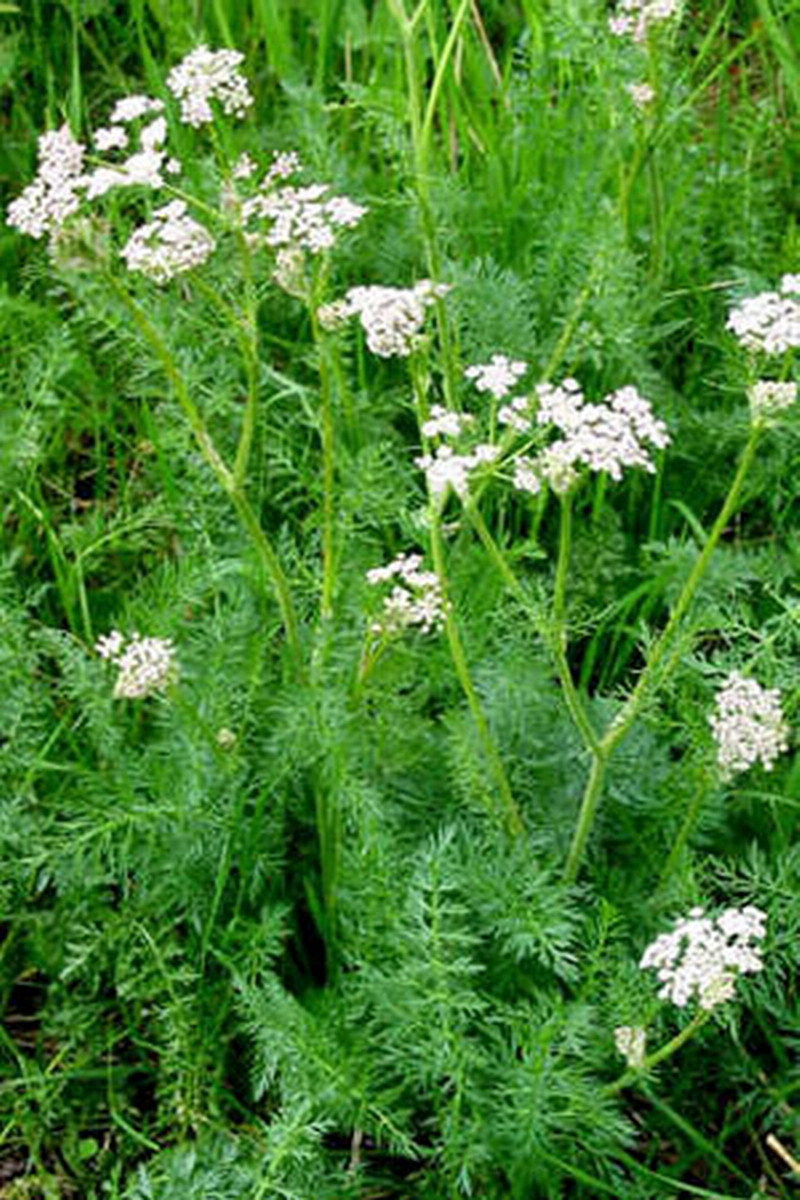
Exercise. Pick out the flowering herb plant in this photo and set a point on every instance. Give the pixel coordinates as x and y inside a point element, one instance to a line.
<point>400,611</point>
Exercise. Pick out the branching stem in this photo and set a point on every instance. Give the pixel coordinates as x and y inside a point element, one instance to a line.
<point>223,473</point>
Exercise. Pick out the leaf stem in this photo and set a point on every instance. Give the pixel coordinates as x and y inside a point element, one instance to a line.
<point>669,1048</point>
<point>654,674</point>
<point>225,476</point>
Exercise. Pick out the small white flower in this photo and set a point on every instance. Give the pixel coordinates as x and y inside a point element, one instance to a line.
<point>146,665</point>
<point>153,135</point>
<point>244,167</point>
<point>415,599</point>
<point>142,169</point>
<point>635,18</point>
<point>334,315</point>
<point>703,957</point>
<point>748,725</point>
<point>608,436</point>
<point>442,422</point>
<point>110,645</point>
<point>445,469</point>
<point>290,273</point>
<point>767,398</point>
<point>630,1041</point>
<point>527,474</point>
<point>168,245</point>
<point>113,138</point>
<point>515,415</point>
<point>641,94</point>
<point>393,318</point>
<point>206,75</point>
<point>498,376</point>
<point>305,218</point>
<point>130,108</point>
<point>768,322</point>
<point>54,195</point>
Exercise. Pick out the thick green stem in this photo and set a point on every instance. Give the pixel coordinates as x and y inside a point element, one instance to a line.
<point>655,672</point>
<point>225,476</point>
<point>591,799</point>
<point>652,1060</point>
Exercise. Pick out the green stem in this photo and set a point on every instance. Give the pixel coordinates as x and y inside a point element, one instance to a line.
<point>573,700</point>
<point>562,567</point>
<point>591,799</point>
<point>513,817</point>
<point>328,471</point>
<point>653,675</point>
<point>221,470</point>
<point>420,139</point>
<point>652,1060</point>
<point>685,831</point>
<point>571,695</point>
<point>251,356</point>
<point>649,676</point>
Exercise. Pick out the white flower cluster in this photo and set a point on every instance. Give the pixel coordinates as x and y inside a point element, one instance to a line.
<point>143,168</point>
<point>635,17</point>
<point>131,108</point>
<point>770,321</point>
<point>499,376</point>
<point>392,318</point>
<point>445,469</point>
<point>442,422</point>
<point>516,414</point>
<point>206,75</point>
<point>168,245</point>
<point>630,1041</point>
<point>54,194</point>
<point>748,725</point>
<point>146,665</point>
<point>607,436</point>
<point>303,218</point>
<point>768,398</point>
<point>61,184</point>
<point>415,599</point>
<point>703,956</point>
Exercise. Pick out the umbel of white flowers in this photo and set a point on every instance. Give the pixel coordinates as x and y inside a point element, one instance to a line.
<point>769,323</point>
<point>415,599</point>
<point>392,318</point>
<point>146,664</point>
<point>704,956</point>
<point>289,219</point>
<point>748,725</point>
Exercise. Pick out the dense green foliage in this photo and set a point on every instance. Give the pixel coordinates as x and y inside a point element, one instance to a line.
<point>305,959</point>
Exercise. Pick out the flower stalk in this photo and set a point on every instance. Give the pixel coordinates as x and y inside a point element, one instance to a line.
<point>225,476</point>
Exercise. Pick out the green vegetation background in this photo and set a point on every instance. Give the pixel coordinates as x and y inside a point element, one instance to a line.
<point>177,1023</point>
